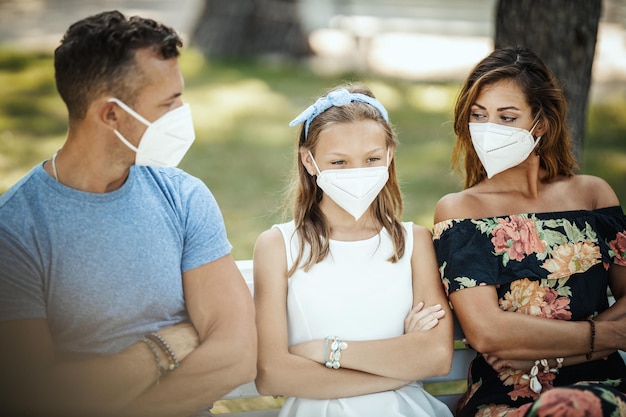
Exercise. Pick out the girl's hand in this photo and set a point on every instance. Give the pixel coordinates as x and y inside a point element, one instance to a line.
<point>422,318</point>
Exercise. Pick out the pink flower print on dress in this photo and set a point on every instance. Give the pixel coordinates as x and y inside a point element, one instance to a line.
<point>565,402</point>
<point>518,237</point>
<point>618,246</point>
<point>555,307</point>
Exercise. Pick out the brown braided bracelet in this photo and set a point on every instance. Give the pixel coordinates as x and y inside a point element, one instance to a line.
<point>155,354</point>
<point>592,340</point>
<point>165,348</point>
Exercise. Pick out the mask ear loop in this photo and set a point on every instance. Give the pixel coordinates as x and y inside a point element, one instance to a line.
<point>314,163</point>
<point>133,113</point>
<point>534,126</point>
<point>535,146</point>
<point>129,110</point>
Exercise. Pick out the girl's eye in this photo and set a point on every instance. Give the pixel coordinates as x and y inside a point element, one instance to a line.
<point>373,159</point>
<point>508,119</point>
<point>477,116</point>
<point>339,162</point>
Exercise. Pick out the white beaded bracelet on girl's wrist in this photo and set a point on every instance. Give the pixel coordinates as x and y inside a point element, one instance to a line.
<point>332,359</point>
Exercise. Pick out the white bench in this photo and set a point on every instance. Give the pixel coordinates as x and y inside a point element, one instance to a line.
<point>446,388</point>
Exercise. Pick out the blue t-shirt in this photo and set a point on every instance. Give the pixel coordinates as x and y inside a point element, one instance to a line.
<point>104,269</point>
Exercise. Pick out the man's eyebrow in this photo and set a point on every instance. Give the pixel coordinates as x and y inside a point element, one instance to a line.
<point>174,96</point>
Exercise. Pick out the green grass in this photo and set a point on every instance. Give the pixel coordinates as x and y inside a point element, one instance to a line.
<point>244,147</point>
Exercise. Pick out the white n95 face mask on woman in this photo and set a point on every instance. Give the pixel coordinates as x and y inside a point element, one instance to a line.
<point>353,189</point>
<point>166,140</point>
<point>501,147</point>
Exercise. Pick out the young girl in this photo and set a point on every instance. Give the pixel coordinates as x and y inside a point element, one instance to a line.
<point>350,309</point>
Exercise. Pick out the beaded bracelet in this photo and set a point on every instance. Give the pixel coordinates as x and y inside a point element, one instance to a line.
<point>592,342</point>
<point>334,357</point>
<point>155,354</point>
<point>165,348</point>
<point>325,349</point>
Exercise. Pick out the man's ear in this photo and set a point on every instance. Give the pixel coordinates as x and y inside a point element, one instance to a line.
<point>106,112</point>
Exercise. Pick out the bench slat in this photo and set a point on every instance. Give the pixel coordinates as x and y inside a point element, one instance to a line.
<point>272,412</point>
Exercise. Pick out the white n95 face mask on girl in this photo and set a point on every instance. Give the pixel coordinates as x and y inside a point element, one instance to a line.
<point>501,147</point>
<point>353,189</point>
<point>166,140</point>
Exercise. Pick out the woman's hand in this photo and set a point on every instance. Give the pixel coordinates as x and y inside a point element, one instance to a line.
<point>499,365</point>
<point>422,318</point>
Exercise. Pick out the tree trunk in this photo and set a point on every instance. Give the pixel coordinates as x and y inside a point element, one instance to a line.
<point>563,34</point>
<point>248,28</point>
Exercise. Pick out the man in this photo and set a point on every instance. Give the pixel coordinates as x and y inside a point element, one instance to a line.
<point>118,293</point>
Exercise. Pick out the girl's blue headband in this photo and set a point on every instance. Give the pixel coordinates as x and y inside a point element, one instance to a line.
<point>336,98</point>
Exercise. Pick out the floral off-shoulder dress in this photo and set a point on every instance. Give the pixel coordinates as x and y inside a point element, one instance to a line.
<point>552,265</point>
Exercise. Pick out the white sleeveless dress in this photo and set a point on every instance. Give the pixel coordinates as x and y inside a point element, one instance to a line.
<point>355,294</point>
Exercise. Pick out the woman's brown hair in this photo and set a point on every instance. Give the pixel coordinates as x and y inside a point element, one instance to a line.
<point>547,102</point>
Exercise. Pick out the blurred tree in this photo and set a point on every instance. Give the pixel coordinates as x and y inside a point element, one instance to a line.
<point>563,34</point>
<point>247,28</point>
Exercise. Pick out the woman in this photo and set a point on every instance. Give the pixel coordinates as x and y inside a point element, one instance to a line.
<point>350,308</point>
<point>528,249</point>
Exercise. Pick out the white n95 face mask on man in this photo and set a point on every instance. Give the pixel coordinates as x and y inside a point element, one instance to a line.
<point>353,189</point>
<point>501,147</point>
<point>166,140</point>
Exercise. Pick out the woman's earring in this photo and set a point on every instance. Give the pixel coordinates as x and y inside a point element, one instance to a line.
<point>537,152</point>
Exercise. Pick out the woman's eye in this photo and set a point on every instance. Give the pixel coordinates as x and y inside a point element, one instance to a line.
<point>508,119</point>
<point>477,116</point>
<point>373,159</point>
<point>340,162</point>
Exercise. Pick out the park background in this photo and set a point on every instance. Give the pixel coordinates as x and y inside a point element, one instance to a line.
<point>242,107</point>
<point>413,54</point>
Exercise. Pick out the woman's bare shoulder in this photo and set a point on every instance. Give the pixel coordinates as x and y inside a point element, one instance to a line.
<point>598,192</point>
